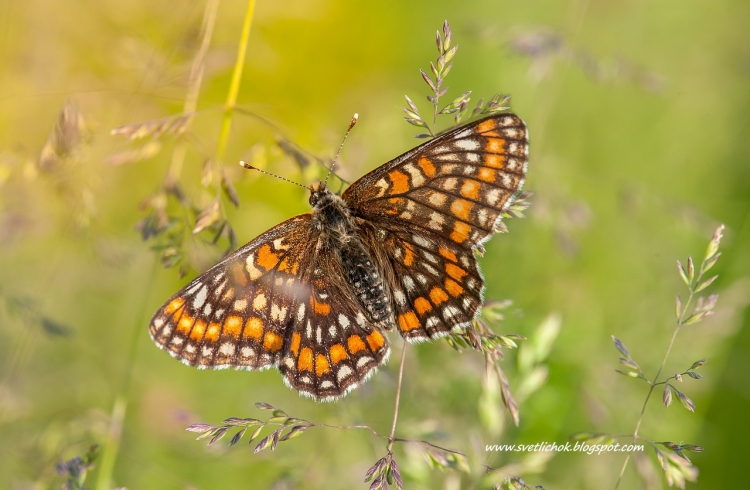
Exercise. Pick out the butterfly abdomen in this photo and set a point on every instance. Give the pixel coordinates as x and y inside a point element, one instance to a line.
<point>366,283</point>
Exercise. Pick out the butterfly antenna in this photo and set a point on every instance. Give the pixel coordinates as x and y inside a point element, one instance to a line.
<point>355,117</point>
<point>250,167</point>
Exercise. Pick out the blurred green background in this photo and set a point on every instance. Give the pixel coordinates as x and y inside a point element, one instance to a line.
<point>638,115</point>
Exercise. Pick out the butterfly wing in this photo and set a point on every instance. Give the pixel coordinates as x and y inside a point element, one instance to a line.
<point>436,205</point>
<point>267,305</point>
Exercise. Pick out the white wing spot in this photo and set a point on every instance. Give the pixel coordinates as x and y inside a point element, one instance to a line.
<point>437,221</point>
<point>227,349</point>
<point>177,340</point>
<point>158,322</point>
<point>240,305</point>
<point>450,311</point>
<point>343,321</point>
<point>308,330</point>
<point>207,310</point>
<point>437,199</point>
<point>431,322</point>
<point>305,379</point>
<point>492,197</point>
<point>289,362</point>
<point>422,241</point>
<point>326,384</point>
<point>364,360</point>
<point>190,348</point>
<point>259,303</point>
<point>399,297</point>
<point>344,372</point>
<point>252,271</point>
<point>301,312</point>
<point>408,283</point>
<point>417,178</point>
<point>319,335</point>
<point>194,288</point>
<point>247,352</point>
<point>332,331</point>
<point>207,351</point>
<point>360,319</point>
<point>450,183</point>
<point>472,157</point>
<point>468,144</point>
<point>278,313</point>
<point>430,269</point>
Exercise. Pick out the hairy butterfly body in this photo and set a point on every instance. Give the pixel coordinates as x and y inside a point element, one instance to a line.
<point>313,296</point>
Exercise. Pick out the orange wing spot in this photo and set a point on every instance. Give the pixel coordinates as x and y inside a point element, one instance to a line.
<point>494,145</point>
<point>453,287</point>
<point>438,296</point>
<point>272,341</point>
<point>185,323</point>
<point>266,258</point>
<point>494,161</point>
<point>233,326</point>
<point>337,353</point>
<point>174,305</point>
<point>397,203</point>
<point>355,344</point>
<point>212,333</point>
<point>422,306</point>
<point>238,275</point>
<point>408,255</point>
<point>487,125</point>
<point>447,254</point>
<point>375,340</point>
<point>455,271</point>
<point>408,321</point>
<point>321,365</point>
<point>198,330</point>
<point>399,181</point>
<point>296,338</point>
<point>305,361</point>
<point>461,209</point>
<point>286,267</point>
<point>460,232</point>
<point>320,308</point>
<point>253,328</point>
<point>470,189</point>
<point>427,167</point>
<point>486,174</point>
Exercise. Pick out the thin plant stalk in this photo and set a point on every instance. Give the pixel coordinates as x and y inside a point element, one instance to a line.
<point>119,409</point>
<point>391,439</point>
<point>234,87</point>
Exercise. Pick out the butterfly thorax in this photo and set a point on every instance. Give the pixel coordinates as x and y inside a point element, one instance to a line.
<point>340,238</point>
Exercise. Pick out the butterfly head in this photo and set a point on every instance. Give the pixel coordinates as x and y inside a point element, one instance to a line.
<point>330,211</point>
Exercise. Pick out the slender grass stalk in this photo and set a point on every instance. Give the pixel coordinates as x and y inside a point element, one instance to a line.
<point>234,87</point>
<point>398,397</point>
<point>114,435</point>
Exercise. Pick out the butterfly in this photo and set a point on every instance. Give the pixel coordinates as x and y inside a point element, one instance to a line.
<point>314,295</point>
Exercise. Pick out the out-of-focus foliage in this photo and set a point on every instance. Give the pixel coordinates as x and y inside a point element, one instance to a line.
<point>638,115</point>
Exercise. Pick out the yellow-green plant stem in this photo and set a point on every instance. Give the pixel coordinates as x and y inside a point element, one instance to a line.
<point>117,418</point>
<point>234,87</point>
